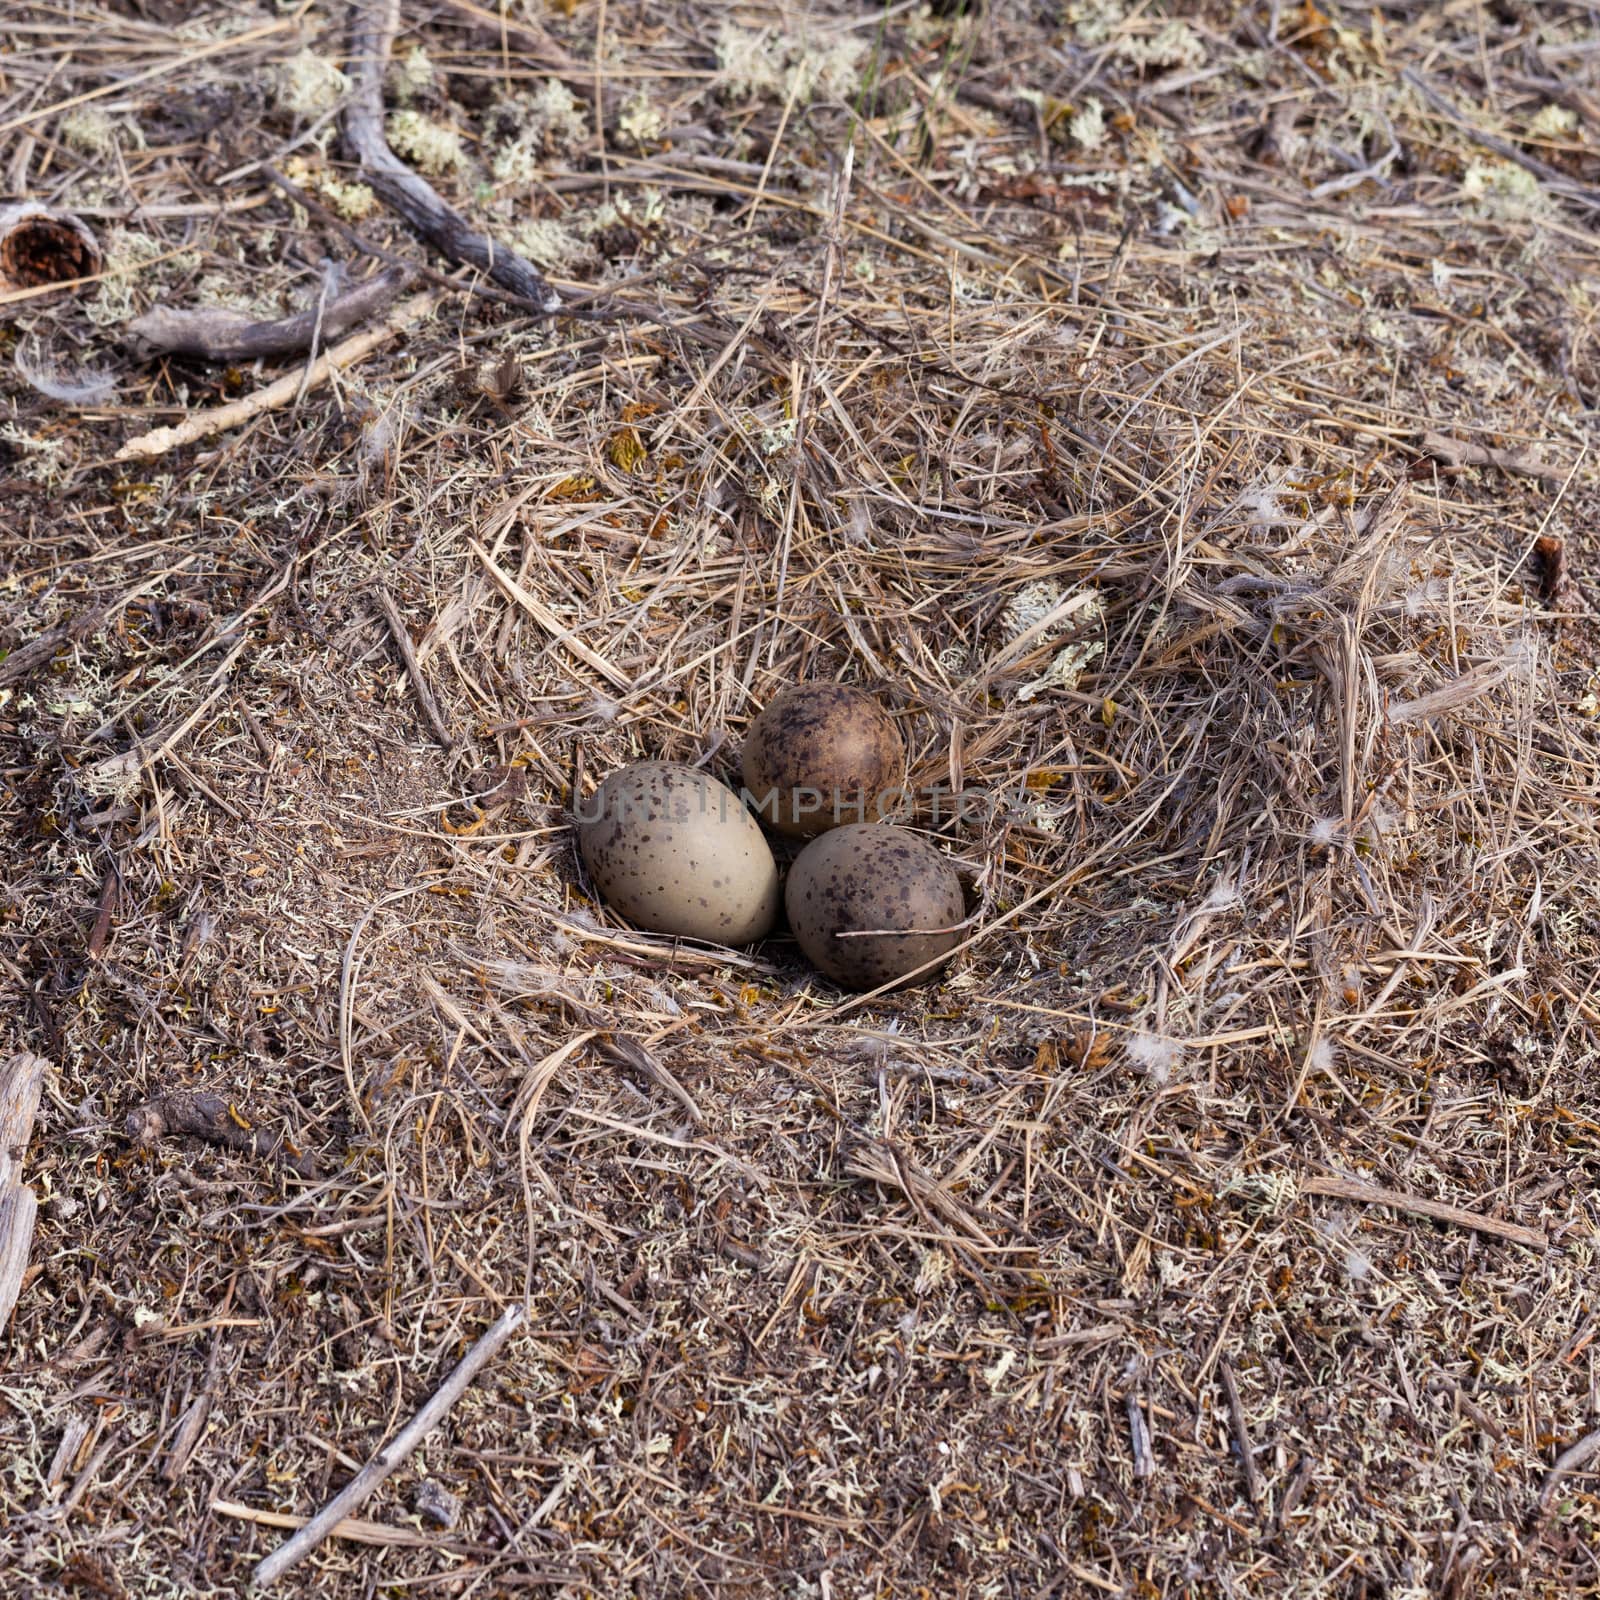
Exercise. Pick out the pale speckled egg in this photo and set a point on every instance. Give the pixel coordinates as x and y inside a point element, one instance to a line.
<point>676,852</point>
<point>880,882</point>
<point>821,756</point>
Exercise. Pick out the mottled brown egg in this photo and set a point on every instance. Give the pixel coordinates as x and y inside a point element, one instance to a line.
<point>898,895</point>
<point>675,851</point>
<point>821,756</point>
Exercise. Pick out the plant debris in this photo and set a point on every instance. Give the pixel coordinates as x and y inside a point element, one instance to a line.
<point>1223,1218</point>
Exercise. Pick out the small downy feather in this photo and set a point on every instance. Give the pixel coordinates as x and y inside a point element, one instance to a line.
<point>85,387</point>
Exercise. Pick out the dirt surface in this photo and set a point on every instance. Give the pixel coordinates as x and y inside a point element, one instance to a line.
<point>1183,419</point>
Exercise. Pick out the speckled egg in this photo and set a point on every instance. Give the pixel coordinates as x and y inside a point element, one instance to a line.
<point>883,883</point>
<point>821,756</point>
<point>675,851</point>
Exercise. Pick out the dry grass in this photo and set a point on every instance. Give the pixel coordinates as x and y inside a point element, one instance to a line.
<point>1102,462</point>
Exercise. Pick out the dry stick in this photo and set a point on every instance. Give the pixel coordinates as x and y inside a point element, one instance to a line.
<point>21,1084</point>
<point>215,1118</point>
<point>356,1492</point>
<point>1371,1194</point>
<point>373,25</point>
<point>408,654</point>
<point>1463,453</point>
<point>1241,1432</point>
<point>355,1529</point>
<point>215,334</point>
<point>1568,1462</point>
<point>277,395</point>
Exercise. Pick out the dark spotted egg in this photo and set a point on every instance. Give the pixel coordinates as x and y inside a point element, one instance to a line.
<point>899,897</point>
<point>823,755</point>
<point>676,852</point>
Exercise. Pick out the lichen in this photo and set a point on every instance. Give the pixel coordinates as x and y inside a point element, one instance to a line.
<point>1503,189</point>
<point>768,64</point>
<point>307,85</point>
<point>412,75</point>
<point>640,122</point>
<point>94,131</point>
<point>1553,122</point>
<point>430,146</point>
<point>548,244</point>
<point>1087,127</point>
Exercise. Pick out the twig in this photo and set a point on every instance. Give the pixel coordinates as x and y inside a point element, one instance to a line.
<point>1144,1462</point>
<point>21,1084</point>
<point>1463,453</point>
<point>212,1117</point>
<point>214,334</point>
<point>356,1492</point>
<point>356,1529</point>
<point>1568,1462</point>
<point>1241,1432</point>
<point>373,25</point>
<point>1371,1194</point>
<point>276,395</point>
<point>192,1424</point>
<point>408,654</point>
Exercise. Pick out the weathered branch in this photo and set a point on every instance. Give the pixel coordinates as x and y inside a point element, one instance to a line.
<point>373,26</point>
<point>1420,1206</point>
<point>214,334</point>
<point>21,1084</point>
<point>285,390</point>
<point>213,1118</point>
<point>1465,453</point>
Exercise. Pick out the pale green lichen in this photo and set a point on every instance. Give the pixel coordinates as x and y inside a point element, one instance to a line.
<point>1503,189</point>
<point>829,71</point>
<point>1553,122</point>
<point>1087,128</point>
<point>1175,44</point>
<point>95,132</point>
<point>1064,671</point>
<point>307,85</point>
<point>755,64</point>
<point>558,116</point>
<point>126,255</point>
<point>640,123</point>
<point>548,243</point>
<point>749,64</point>
<point>1094,21</point>
<point>412,75</point>
<point>430,146</point>
<point>355,202</point>
<point>548,122</point>
<point>44,460</point>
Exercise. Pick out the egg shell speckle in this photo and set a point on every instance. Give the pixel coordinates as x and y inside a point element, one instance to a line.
<point>674,851</point>
<point>828,754</point>
<point>871,876</point>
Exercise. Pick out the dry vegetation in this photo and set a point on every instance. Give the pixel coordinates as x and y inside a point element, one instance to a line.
<point>1086,420</point>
